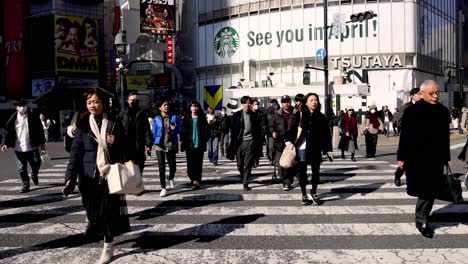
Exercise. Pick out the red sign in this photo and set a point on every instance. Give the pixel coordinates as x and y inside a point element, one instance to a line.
<point>116,20</point>
<point>170,50</point>
<point>14,48</point>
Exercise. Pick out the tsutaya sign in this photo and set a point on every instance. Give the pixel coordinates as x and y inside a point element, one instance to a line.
<point>367,61</point>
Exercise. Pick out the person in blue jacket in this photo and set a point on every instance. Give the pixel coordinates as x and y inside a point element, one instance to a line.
<point>166,128</point>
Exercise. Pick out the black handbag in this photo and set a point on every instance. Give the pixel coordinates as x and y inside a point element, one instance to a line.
<point>451,190</point>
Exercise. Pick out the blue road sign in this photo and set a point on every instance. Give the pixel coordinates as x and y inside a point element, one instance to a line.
<point>321,54</point>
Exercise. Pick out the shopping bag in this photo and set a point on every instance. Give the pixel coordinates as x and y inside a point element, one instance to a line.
<point>125,179</point>
<point>451,190</point>
<point>288,157</point>
<point>46,162</point>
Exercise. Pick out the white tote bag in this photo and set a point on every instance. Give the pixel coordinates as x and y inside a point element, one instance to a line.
<point>288,157</point>
<point>46,162</point>
<point>125,179</point>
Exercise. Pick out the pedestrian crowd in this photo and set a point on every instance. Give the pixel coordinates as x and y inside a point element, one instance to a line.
<point>100,138</point>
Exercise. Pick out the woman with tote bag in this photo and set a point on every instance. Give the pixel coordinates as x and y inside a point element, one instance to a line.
<point>314,138</point>
<point>97,144</point>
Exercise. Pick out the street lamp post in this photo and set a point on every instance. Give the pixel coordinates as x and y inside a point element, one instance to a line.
<point>120,45</point>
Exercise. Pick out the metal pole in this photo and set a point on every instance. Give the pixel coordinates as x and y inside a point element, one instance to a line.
<point>122,94</point>
<point>325,60</point>
<point>461,21</point>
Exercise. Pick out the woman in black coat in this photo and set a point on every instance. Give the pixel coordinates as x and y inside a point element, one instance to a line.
<point>91,164</point>
<point>349,133</point>
<point>194,139</point>
<point>313,138</point>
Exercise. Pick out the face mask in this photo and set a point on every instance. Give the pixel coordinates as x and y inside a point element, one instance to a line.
<point>22,109</point>
<point>372,111</point>
<point>255,107</point>
<point>135,103</point>
<point>223,113</point>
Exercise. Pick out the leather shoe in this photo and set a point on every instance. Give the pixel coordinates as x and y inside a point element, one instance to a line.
<point>425,229</point>
<point>247,188</point>
<point>397,182</point>
<point>25,189</point>
<point>35,180</point>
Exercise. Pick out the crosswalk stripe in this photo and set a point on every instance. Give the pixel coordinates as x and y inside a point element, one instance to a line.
<point>79,255</point>
<point>231,166</point>
<point>154,197</point>
<point>377,229</point>
<point>237,186</point>
<point>155,178</point>
<point>243,210</point>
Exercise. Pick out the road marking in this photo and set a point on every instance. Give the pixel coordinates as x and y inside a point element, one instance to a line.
<point>243,210</point>
<point>159,229</point>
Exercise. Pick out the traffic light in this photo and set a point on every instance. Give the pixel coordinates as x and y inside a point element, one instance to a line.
<point>306,77</point>
<point>359,17</point>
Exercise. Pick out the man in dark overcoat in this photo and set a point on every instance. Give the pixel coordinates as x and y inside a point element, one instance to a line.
<point>424,150</point>
<point>137,131</point>
<point>245,137</point>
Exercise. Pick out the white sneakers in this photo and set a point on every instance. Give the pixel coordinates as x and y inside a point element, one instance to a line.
<point>107,253</point>
<point>172,184</point>
<point>163,193</point>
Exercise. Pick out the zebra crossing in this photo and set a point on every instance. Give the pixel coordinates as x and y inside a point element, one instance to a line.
<point>364,218</point>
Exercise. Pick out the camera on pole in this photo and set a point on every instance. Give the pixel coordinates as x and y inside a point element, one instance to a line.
<point>359,17</point>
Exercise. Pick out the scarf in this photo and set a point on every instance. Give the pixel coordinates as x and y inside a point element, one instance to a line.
<point>102,158</point>
<point>374,121</point>
<point>350,124</point>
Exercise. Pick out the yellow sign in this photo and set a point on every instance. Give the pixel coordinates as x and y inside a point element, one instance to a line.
<point>76,44</point>
<point>138,82</point>
<point>213,96</point>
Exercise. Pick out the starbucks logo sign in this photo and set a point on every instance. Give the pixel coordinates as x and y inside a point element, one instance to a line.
<point>226,42</point>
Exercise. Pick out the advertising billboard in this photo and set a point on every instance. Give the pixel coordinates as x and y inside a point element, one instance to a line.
<point>157,17</point>
<point>14,48</point>
<point>76,44</point>
<point>299,33</point>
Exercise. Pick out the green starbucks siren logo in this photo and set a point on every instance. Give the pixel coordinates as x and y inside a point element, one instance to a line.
<point>226,42</point>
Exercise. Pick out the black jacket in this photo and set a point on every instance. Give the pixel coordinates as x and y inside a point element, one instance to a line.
<point>141,131</point>
<point>224,123</point>
<point>83,152</point>
<point>237,129</point>
<point>186,139</point>
<point>315,131</point>
<point>36,131</point>
<point>382,115</point>
<point>277,123</point>
<point>424,147</point>
<point>214,128</point>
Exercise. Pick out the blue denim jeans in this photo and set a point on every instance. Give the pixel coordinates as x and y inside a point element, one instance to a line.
<point>213,149</point>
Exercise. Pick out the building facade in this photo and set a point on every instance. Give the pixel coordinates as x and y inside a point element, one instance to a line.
<point>58,42</point>
<point>260,48</point>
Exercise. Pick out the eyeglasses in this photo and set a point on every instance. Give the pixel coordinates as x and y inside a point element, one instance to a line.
<point>433,94</point>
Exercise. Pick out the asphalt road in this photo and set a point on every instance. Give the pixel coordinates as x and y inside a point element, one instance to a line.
<point>365,218</point>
